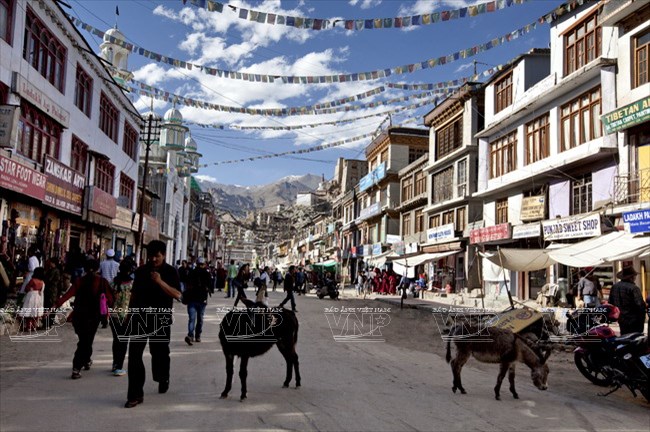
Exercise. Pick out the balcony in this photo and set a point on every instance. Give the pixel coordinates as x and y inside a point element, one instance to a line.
<point>632,188</point>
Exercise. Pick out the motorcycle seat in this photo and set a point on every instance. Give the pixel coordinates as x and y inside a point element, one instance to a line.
<point>628,338</point>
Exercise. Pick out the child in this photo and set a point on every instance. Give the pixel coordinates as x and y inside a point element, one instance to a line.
<point>32,308</point>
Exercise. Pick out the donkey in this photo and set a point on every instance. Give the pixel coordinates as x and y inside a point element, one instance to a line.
<point>251,333</point>
<point>494,345</point>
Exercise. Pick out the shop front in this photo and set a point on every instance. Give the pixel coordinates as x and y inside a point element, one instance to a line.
<point>99,212</point>
<point>449,268</point>
<point>124,239</point>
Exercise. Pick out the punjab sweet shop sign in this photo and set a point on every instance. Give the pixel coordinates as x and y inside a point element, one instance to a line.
<point>571,227</point>
<point>627,116</point>
<point>21,179</point>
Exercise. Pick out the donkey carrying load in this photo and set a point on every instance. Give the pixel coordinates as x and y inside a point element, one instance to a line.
<point>495,345</point>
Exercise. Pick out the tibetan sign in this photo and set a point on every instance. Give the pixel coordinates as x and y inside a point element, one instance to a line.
<point>533,208</point>
<point>637,221</point>
<point>65,186</point>
<point>571,227</point>
<point>21,179</point>
<point>102,202</point>
<point>490,233</point>
<point>8,125</point>
<point>627,116</point>
<point>34,95</point>
<point>372,177</point>
<point>527,230</point>
<point>441,233</point>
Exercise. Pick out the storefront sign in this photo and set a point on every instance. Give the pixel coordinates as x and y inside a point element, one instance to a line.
<point>101,202</point>
<point>124,219</point>
<point>490,234</point>
<point>627,116</point>
<point>65,186</point>
<point>472,226</point>
<point>533,208</point>
<point>392,238</point>
<point>21,179</point>
<point>571,227</point>
<point>151,229</point>
<point>34,95</point>
<point>376,249</point>
<point>527,230</point>
<point>637,221</point>
<point>372,177</point>
<point>371,210</point>
<point>8,122</point>
<point>411,247</point>
<point>441,233</point>
<point>399,248</point>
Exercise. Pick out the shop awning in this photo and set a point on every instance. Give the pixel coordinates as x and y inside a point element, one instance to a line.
<point>378,260</point>
<point>521,259</point>
<point>615,246</point>
<point>422,258</point>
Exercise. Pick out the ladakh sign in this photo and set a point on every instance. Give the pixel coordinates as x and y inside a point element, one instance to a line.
<point>571,227</point>
<point>34,95</point>
<point>627,116</point>
<point>637,221</point>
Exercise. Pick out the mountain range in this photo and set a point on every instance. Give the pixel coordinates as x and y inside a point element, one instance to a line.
<point>240,199</point>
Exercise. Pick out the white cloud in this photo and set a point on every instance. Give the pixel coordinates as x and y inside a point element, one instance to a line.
<point>365,4</point>
<point>205,177</point>
<point>463,67</point>
<point>421,7</point>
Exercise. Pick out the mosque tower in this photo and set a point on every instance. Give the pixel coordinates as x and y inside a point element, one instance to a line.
<point>115,54</point>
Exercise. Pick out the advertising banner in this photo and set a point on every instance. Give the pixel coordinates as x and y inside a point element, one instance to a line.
<point>65,186</point>
<point>21,179</point>
<point>571,227</point>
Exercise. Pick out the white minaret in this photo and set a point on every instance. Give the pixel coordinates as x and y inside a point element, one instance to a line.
<point>116,55</point>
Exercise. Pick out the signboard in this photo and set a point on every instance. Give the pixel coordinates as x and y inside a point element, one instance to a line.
<point>627,116</point>
<point>441,233</point>
<point>124,219</point>
<point>399,248</point>
<point>65,187</point>
<point>490,234</point>
<point>150,228</point>
<point>371,210</point>
<point>527,230</point>
<point>515,319</point>
<point>376,249</point>
<point>637,221</point>
<point>102,202</point>
<point>21,179</point>
<point>571,227</point>
<point>411,247</point>
<point>533,208</point>
<point>8,122</point>
<point>393,238</point>
<point>34,95</point>
<point>472,226</point>
<point>372,177</point>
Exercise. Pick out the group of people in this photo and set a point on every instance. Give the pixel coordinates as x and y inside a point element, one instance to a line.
<point>383,282</point>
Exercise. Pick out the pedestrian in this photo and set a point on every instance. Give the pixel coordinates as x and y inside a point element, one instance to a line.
<point>108,269</point>
<point>183,274</point>
<point>587,290</point>
<point>195,297</point>
<point>54,281</point>
<point>240,282</point>
<point>32,262</point>
<point>265,280</point>
<point>222,274</point>
<point>360,282</point>
<point>87,292</point>
<point>32,308</point>
<point>232,274</point>
<point>155,286</point>
<point>289,285</point>
<point>627,297</point>
<point>119,317</point>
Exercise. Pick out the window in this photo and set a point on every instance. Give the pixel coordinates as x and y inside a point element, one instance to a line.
<point>44,52</point>
<point>443,185</point>
<point>434,221</point>
<point>406,224</point>
<point>461,178</point>
<point>108,117</point>
<point>641,52</point>
<point>6,19</point>
<point>537,139</point>
<point>448,217</point>
<point>407,189</point>
<point>419,221</point>
<point>79,155</point>
<point>581,120</point>
<point>502,211</point>
<point>130,141</point>
<point>461,218</point>
<point>449,138</point>
<point>38,134</point>
<point>83,91</point>
<point>581,191</point>
<point>127,185</point>
<point>503,93</point>
<point>4,93</point>
<point>503,155</point>
<point>104,175</point>
<point>384,155</point>
<point>582,44</point>
<point>420,183</point>
<point>415,154</point>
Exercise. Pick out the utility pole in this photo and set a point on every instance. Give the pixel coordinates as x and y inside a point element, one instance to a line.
<point>156,129</point>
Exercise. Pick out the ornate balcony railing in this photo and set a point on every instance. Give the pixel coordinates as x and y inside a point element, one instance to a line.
<point>632,188</point>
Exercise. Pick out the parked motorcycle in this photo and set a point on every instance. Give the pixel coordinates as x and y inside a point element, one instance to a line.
<point>329,288</point>
<point>610,361</point>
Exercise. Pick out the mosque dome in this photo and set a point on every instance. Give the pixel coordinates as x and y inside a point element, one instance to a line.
<point>173,116</point>
<point>190,145</point>
<point>115,33</point>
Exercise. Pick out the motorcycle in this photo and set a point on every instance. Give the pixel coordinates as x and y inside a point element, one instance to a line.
<point>610,361</point>
<point>329,288</point>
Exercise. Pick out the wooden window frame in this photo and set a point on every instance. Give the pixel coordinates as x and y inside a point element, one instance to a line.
<point>462,178</point>
<point>503,155</point>
<point>641,59</point>
<point>38,134</point>
<point>127,188</point>
<point>503,92</point>
<point>406,224</point>
<point>573,113</point>
<point>416,153</point>
<point>582,44</point>
<point>449,138</point>
<point>434,221</point>
<point>9,6</point>
<point>83,92</point>
<point>538,140</point>
<point>109,118</point>
<point>105,175</point>
<point>448,217</point>
<point>130,141</point>
<point>419,221</point>
<point>501,211</point>
<point>461,218</point>
<point>78,155</point>
<point>582,195</point>
<point>420,183</point>
<point>442,188</point>
<point>44,51</point>
<point>4,93</point>
<point>407,189</point>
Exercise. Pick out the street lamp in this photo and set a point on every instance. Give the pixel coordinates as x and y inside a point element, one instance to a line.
<point>152,125</point>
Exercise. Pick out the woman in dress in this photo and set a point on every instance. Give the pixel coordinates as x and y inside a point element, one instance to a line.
<point>32,308</point>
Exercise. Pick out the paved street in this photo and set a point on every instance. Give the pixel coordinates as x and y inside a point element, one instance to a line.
<point>400,384</point>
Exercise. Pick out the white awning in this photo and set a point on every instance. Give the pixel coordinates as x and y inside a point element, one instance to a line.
<point>615,246</point>
<point>521,259</point>
<point>422,258</point>
<point>378,260</point>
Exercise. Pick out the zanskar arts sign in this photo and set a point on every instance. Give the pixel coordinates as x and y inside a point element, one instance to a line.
<point>65,186</point>
<point>571,227</point>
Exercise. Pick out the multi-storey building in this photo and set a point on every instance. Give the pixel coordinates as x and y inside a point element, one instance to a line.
<point>69,151</point>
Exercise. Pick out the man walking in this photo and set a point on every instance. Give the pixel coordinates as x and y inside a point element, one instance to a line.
<point>196,299</point>
<point>155,287</point>
<point>240,282</point>
<point>289,285</point>
<point>109,267</point>
<point>627,297</point>
<point>264,283</point>
<point>232,274</point>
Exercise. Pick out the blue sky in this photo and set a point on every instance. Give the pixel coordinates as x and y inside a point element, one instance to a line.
<point>224,41</point>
